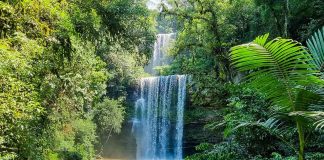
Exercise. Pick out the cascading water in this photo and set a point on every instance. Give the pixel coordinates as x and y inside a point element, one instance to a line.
<point>158,119</point>
<point>160,56</point>
<point>158,122</point>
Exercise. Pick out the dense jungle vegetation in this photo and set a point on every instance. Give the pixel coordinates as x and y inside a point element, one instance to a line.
<point>63,73</point>
<point>67,68</point>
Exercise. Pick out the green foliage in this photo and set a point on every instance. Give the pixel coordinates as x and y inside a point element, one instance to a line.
<point>316,47</point>
<point>223,151</point>
<point>19,103</point>
<point>279,67</point>
<point>122,74</point>
<point>207,29</point>
<point>288,85</point>
<point>109,116</point>
<point>257,126</point>
<point>314,156</point>
<point>204,89</point>
<point>75,139</point>
<point>64,80</point>
<point>245,105</point>
<point>57,59</point>
<point>280,64</point>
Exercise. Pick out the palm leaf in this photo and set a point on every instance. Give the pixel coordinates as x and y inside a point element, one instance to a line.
<point>274,127</point>
<point>305,99</point>
<point>317,117</point>
<point>320,124</point>
<point>272,124</point>
<point>277,67</point>
<point>316,48</point>
<point>280,68</point>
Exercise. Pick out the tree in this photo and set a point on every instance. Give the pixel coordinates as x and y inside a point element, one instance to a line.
<point>59,61</point>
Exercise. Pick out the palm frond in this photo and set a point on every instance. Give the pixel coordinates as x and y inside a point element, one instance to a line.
<point>215,125</point>
<point>273,126</point>
<point>280,69</point>
<point>319,124</point>
<point>305,99</point>
<point>277,66</point>
<point>270,123</point>
<point>320,103</point>
<point>317,117</point>
<point>316,47</point>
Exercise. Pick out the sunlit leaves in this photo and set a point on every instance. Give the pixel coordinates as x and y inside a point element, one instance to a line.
<point>54,71</point>
<point>277,66</point>
<point>19,99</point>
<point>278,69</point>
<point>109,116</point>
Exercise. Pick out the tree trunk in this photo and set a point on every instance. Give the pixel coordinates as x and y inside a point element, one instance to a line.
<point>279,26</point>
<point>301,138</point>
<point>286,18</point>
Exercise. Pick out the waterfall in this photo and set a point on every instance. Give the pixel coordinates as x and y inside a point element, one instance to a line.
<point>160,56</point>
<point>158,122</point>
<point>158,112</point>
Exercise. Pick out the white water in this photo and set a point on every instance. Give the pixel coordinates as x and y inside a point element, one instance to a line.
<point>160,56</point>
<point>158,121</point>
<point>158,117</point>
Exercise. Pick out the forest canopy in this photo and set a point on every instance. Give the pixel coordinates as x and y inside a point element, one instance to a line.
<point>68,69</point>
<point>62,73</point>
<point>253,76</point>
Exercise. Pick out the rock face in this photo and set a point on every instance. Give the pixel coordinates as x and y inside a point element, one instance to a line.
<point>195,131</point>
<point>194,135</point>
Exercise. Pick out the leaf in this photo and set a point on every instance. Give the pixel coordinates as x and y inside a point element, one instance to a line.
<point>316,48</point>
<point>316,116</point>
<point>276,67</point>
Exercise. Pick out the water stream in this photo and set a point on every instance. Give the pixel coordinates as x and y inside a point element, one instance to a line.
<point>158,121</point>
<point>158,118</point>
<point>160,53</point>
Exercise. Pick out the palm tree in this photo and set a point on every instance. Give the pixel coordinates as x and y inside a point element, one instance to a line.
<point>316,48</point>
<point>282,69</point>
